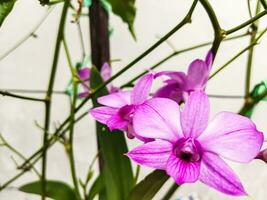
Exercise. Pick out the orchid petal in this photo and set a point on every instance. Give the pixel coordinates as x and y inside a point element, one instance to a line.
<point>158,118</point>
<point>197,75</point>
<point>183,171</point>
<point>195,115</point>
<point>217,174</point>
<point>84,73</point>
<point>141,90</point>
<point>131,134</point>
<point>178,77</point>
<point>116,100</point>
<point>116,122</point>
<point>232,136</point>
<point>105,71</point>
<point>103,113</point>
<point>209,60</point>
<point>152,154</point>
<point>171,91</point>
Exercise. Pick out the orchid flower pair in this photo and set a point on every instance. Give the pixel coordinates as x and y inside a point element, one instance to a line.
<point>84,75</point>
<point>180,141</point>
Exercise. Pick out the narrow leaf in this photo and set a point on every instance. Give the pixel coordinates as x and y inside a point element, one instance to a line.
<point>5,8</point>
<point>126,10</point>
<point>55,190</point>
<point>117,170</point>
<point>148,188</point>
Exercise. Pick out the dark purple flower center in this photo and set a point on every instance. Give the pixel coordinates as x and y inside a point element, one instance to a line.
<point>126,112</point>
<point>188,150</point>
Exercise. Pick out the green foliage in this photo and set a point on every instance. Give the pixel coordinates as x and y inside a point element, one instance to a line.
<point>258,90</point>
<point>55,189</point>
<point>97,187</point>
<point>148,188</point>
<point>5,8</point>
<point>126,10</point>
<point>117,169</point>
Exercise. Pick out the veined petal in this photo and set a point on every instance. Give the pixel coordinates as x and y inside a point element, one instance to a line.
<point>141,90</point>
<point>217,174</point>
<point>182,171</point>
<point>84,73</point>
<point>172,91</point>
<point>232,136</point>
<point>105,71</point>
<point>152,154</point>
<point>158,118</point>
<point>116,122</point>
<point>116,100</point>
<point>197,75</point>
<point>195,115</point>
<point>103,113</point>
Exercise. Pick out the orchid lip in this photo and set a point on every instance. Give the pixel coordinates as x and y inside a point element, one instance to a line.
<point>126,112</point>
<point>188,150</point>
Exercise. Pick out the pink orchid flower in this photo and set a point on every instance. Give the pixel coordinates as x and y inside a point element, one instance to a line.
<point>262,155</point>
<point>189,148</point>
<point>85,73</point>
<point>179,85</point>
<point>120,107</point>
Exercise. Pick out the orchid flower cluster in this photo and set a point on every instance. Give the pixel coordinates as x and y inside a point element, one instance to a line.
<point>174,126</point>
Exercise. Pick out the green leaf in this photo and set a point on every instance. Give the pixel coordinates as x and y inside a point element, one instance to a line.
<point>117,171</point>
<point>5,8</point>
<point>148,188</point>
<point>55,189</point>
<point>126,10</point>
<point>97,187</point>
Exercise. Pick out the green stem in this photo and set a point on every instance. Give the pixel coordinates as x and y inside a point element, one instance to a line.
<point>264,4</point>
<point>137,174</point>
<point>232,59</point>
<point>69,146</point>
<point>250,21</point>
<point>218,32</point>
<point>15,151</point>
<point>6,93</point>
<point>49,95</point>
<point>176,53</point>
<point>33,91</point>
<point>254,27</point>
<point>171,191</point>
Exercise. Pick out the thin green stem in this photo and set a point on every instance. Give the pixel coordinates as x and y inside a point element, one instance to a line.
<point>231,60</point>
<point>137,173</point>
<point>218,32</point>
<point>32,91</point>
<point>264,4</point>
<point>7,93</point>
<point>69,146</point>
<point>27,36</point>
<point>254,28</point>
<point>49,94</point>
<point>249,8</point>
<point>171,191</point>
<point>176,53</point>
<point>81,39</point>
<point>250,21</point>
<point>15,151</point>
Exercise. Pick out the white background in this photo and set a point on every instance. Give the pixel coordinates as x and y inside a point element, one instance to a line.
<point>29,66</point>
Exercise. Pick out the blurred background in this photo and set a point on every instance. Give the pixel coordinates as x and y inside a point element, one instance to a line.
<point>28,68</point>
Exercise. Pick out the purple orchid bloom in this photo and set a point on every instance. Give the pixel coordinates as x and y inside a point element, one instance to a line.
<point>120,107</point>
<point>85,73</point>
<point>188,148</point>
<point>179,85</point>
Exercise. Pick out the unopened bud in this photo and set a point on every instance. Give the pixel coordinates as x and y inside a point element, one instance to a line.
<point>262,155</point>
